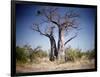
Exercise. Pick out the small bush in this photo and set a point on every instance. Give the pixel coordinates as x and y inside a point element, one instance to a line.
<point>90,54</point>
<point>21,55</point>
<point>75,54</point>
<point>27,54</point>
<point>71,55</point>
<point>38,54</point>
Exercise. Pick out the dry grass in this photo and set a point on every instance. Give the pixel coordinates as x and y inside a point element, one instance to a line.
<point>46,65</point>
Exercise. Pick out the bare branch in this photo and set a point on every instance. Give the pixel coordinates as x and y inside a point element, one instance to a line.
<point>37,48</point>
<point>71,14</point>
<point>53,10</point>
<point>70,24</point>
<point>70,20</point>
<point>35,27</point>
<point>70,39</point>
<point>49,16</point>
<point>55,23</point>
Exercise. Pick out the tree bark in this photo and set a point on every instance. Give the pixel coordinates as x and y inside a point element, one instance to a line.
<point>53,53</point>
<point>61,53</point>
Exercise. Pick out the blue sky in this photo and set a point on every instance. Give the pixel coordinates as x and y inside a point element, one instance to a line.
<point>26,15</point>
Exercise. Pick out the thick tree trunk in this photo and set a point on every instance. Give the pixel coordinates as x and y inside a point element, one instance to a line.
<point>53,53</point>
<point>61,53</point>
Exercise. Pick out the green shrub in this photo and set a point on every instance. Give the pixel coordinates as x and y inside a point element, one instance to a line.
<point>26,54</point>
<point>38,54</point>
<point>75,54</point>
<point>71,55</point>
<point>90,54</point>
<point>21,55</point>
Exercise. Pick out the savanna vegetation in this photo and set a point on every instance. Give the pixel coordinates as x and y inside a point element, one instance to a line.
<point>28,59</point>
<point>27,55</point>
<point>23,55</point>
<point>77,54</point>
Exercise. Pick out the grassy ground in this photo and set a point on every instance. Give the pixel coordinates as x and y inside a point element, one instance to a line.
<point>46,65</point>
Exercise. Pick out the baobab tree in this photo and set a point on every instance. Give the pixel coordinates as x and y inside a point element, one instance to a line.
<point>64,22</point>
